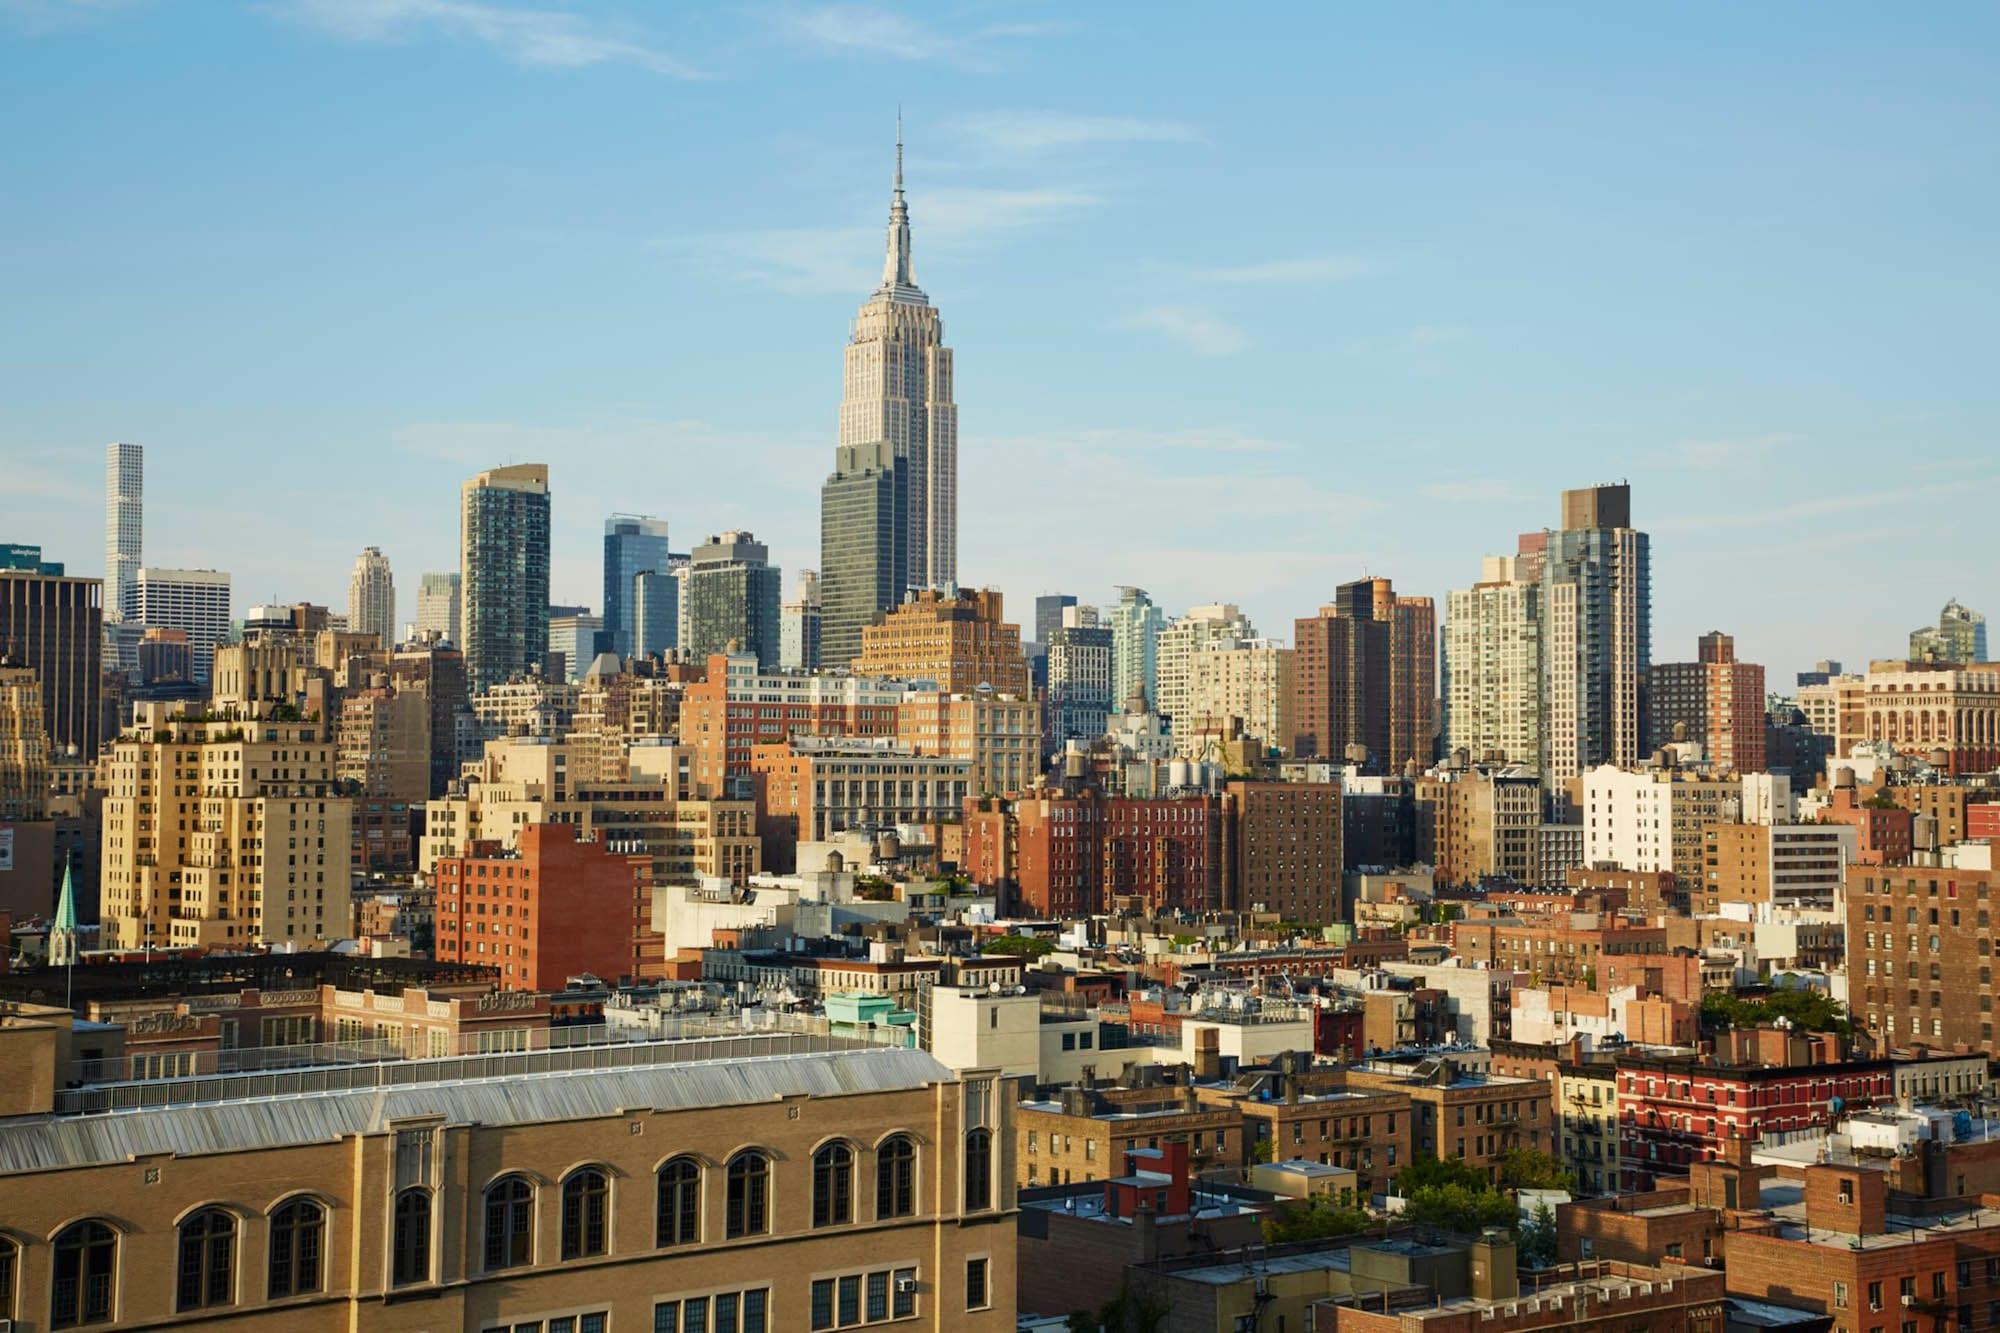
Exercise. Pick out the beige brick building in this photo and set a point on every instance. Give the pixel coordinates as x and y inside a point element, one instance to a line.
<point>226,833</point>
<point>692,1188</point>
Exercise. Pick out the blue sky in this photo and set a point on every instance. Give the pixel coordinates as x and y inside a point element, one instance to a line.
<point>1245,302</point>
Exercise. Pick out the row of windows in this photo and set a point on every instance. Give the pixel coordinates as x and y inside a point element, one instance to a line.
<point>84,1276</point>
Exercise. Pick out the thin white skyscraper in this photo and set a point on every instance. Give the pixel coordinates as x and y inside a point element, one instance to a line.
<point>898,390</point>
<point>371,597</point>
<point>437,607</point>
<point>124,525</point>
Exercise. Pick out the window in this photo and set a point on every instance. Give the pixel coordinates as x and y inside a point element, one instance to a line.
<point>833,1185</point>
<point>978,1170</point>
<point>896,1178</point>
<point>1840,1295</point>
<point>861,1298</point>
<point>86,1265</point>
<point>722,1312</point>
<point>411,1245</point>
<point>298,1232</point>
<point>208,1260</point>
<point>583,1213</point>
<point>746,1210</point>
<point>9,1261</point>
<point>678,1217</point>
<point>510,1223</point>
<point>977,1297</point>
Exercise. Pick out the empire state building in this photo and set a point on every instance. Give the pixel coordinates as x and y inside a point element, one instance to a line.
<point>889,513</point>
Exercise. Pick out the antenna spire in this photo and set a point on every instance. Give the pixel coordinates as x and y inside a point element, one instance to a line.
<point>896,270</point>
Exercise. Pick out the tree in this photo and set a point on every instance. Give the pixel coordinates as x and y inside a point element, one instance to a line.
<point>1526,1169</point>
<point>1423,1172</point>
<point>1317,1219</point>
<point>1018,946</point>
<point>1536,1239</point>
<point>1457,1208</point>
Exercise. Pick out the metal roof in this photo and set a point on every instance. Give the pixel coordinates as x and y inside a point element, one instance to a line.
<point>67,1141</point>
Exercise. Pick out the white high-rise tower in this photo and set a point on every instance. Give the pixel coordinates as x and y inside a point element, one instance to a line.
<point>898,391</point>
<point>124,525</point>
<point>371,597</point>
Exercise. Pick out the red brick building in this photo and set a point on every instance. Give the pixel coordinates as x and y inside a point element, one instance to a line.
<point>1062,856</point>
<point>1882,832</point>
<point>736,707</point>
<point>1675,1111</point>
<point>553,910</point>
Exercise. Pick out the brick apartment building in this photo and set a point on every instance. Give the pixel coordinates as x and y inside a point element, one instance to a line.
<point>556,908</point>
<point>1920,949</point>
<point>1073,855</point>
<point>1675,1110</point>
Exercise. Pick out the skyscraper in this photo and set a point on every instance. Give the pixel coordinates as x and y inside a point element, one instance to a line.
<point>656,608</point>
<point>1597,632</point>
<point>438,607</point>
<point>1493,665</point>
<point>1201,628</point>
<point>863,551</point>
<point>1079,692</point>
<point>634,544</point>
<point>371,597</point>
<point>1366,674</point>
<point>1959,636</point>
<point>504,573</point>
<point>194,600</point>
<point>800,625</point>
<point>124,523</point>
<point>1049,608</point>
<point>1135,645</point>
<point>55,624</point>
<point>898,391</point>
<point>732,592</point>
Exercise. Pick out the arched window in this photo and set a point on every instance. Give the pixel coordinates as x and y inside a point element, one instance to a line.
<point>410,1247</point>
<point>208,1260</point>
<point>510,1223</point>
<point>747,1210</point>
<point>896,1178</point>
<point>584,1196</point>
<point>833,1185</point>
<point>978,1170</point>
<point>298,1235</point>
<point>86,1273</point>
<point>678,1221</point>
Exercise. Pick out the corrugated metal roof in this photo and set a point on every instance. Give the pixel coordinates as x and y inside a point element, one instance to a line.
<point>65,1141</point>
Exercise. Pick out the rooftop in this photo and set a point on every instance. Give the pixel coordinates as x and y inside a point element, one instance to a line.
<point>661,1076</point>
<point>1785,1203</point>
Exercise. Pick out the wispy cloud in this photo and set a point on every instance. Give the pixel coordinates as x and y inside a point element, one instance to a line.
<point>866,30</point>
<point>1202,333</point>
<point>1714,455</point>
<point>545,38</point>
<point>874,31</point>
<point>1485,490</point>
<point>1827,506</point>
<point>1310,268</point>
<point>1040,131</point>
<point>820,260</point>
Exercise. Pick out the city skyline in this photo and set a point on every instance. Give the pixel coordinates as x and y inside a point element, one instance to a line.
<point>1278,405</point>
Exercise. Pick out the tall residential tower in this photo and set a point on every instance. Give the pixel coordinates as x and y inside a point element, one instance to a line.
<point>371,597</point>
<point>124,524</point>
<point>504,573</point>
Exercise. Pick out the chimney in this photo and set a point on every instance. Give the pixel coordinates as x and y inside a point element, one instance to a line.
<point>1207,1054</point>
<point>1145,1233</point>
